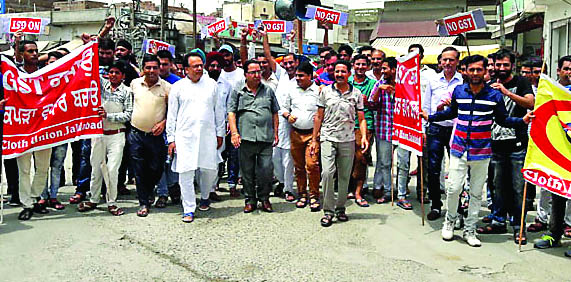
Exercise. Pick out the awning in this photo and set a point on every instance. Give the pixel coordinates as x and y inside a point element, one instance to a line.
<point>425,41</point>
<point>404,29</point>
<point>431,52</point>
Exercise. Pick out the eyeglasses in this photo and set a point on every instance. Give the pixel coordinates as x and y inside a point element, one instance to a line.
<point>254,72</point>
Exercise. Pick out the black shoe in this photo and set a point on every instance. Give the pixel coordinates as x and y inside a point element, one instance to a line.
<point>15,203</point>
<point>41,209</point>
<point>434,214</point>
<point>26,214</point>
<point>279,191</point>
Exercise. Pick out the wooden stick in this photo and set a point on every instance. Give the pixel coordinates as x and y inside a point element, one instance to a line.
<point>392,177</point>
<point>522,220</point>
<point>300,37</point>
<point>467,45</point>
<point>421,190</point>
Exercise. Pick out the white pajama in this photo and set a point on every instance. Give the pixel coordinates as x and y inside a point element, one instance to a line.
<point>283,167</point>
<point>206,177</point>
<point>108,150</point>
<point>29,190</point>
<point>458,169</point>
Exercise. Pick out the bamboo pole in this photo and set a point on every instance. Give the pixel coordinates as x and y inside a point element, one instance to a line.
<point>421,190</point>
<point>522,220</point>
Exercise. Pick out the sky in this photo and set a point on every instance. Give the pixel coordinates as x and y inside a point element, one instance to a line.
<point>209,6</point>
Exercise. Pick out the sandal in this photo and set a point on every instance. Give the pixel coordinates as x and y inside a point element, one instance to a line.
<point>55,204</point>
<point>116,211</point>
<point>567,231</point>
<point>289,197</point>
<point>314,204</point>
<point>404,204</point>
<point>342,216</point>
<point>383,200</point>
<point>301,202</point>
<point>76,198</point>
<point>492,229</point>
<point>188,217</point>
<point>523,237</point>
<point>362,202</point>
<point>143,211</point>
<point>537,226</point>
<point>25,214</point>
<point>326,220</point>
<point>86,206</point>
<point>350,196</point>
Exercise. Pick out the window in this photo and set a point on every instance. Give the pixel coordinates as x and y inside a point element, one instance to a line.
<point>365,35</point>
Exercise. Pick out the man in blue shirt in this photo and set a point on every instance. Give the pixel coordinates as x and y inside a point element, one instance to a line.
<point>165,68</point>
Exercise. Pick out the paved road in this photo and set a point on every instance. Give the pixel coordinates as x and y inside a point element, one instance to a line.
<point>381,242</point>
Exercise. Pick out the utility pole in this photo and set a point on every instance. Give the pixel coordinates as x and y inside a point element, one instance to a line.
<point>502,25</point>
<point>194,22</point>
<point>164,11</point>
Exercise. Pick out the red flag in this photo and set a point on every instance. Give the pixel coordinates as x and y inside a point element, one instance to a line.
<point>54,105</point>
<point>407,124</point>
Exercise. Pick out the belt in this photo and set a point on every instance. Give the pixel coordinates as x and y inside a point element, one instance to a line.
<point>111,132</point>
<point>303,131</point>
<point>136,130</point>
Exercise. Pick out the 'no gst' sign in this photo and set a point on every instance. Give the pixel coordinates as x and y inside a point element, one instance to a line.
<point>275,26</point>
<point>326,15</point>
<point>459,25</point>
<point>26,25</point>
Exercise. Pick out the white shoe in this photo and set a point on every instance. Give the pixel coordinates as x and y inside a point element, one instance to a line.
<point>448,230</point>
<point>471,239</point>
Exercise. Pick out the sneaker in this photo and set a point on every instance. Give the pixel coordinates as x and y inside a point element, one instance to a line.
<point>471,239</point>
<point>547,241</point>
<point>448,230</point>
<point>204,205</point>
<point>434,214</point>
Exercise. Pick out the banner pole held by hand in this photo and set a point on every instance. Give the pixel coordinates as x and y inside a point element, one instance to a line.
<point>522,220</point>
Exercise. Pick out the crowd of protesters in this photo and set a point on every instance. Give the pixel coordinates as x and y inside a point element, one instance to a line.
<point>173,123</point>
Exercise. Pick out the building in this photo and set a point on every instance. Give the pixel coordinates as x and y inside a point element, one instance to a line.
<point>19,6</point>
<point>77,5</point>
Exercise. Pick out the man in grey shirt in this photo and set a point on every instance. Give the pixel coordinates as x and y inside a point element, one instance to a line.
<point>256,108</point>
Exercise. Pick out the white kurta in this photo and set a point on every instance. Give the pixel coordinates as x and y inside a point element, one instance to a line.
<point>194,120</point>
<point>285,84</point>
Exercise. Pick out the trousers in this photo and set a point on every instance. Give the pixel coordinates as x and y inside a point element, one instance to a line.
<point>336,157</point>
<point>205,180</point>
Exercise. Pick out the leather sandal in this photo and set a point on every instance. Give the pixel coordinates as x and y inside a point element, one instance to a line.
<point>326,220</point>
<point>301,202</point>
<point>143,211</point>
<point>25,214</point>
<point>116,211</point>
<point>314,205</point>
<point>86,206</point>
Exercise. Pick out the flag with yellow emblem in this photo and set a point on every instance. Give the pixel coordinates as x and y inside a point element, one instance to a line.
<point>548,159</point>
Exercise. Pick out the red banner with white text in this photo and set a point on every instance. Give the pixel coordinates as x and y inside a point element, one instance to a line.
<point>53,105</point>
<point>407,124</point>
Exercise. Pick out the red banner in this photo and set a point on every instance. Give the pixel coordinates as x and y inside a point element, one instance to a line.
<point>552,183</point>
<point>54,105</point>
<point>407,124</point>
<point>27,25</point>
<point>327,15</point>
<point>460,24</point>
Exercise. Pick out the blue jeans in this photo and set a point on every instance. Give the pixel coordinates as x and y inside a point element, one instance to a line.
<point>233,162</point>
<point>508,181</point>
<point>437,138</point>
<point>168,179</point>
<point>84,177</point>
<point>56,164</point>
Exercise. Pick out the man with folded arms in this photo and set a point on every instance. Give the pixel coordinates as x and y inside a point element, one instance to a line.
<point>300,106</point>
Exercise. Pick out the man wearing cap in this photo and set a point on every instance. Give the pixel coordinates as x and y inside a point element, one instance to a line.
<point>123,51</point>
<point>195,129</point>
<point>235,78</point>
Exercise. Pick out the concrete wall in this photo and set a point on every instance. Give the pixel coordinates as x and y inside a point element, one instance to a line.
<point>555,43</point>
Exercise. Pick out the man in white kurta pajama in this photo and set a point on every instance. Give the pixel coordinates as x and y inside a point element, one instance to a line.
<point>195,129</point>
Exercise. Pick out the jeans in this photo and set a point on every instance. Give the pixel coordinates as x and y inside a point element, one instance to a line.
<point>11,169</point>
<point>148,155</point>
<point>84,177</point>
<point>126,166</point>
<point>76,160</point>
<point>437,138</point>
<point>458,169</point>
<point>382,178</point>
<point>257,169</point>
<point>557,219</point>
<point>509,183</point>
<point>336,157</point>
<point>168,179</point>
<point>233,162</point>
<point>56,165</point>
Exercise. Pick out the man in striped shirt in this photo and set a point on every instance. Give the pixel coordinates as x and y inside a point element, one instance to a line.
<point>477,106</point>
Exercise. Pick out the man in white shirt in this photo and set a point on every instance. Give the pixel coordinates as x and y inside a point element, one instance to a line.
<point>283,163</point>
<point>375,72</point>
<point>436,97</point>
<point>195,130</point>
